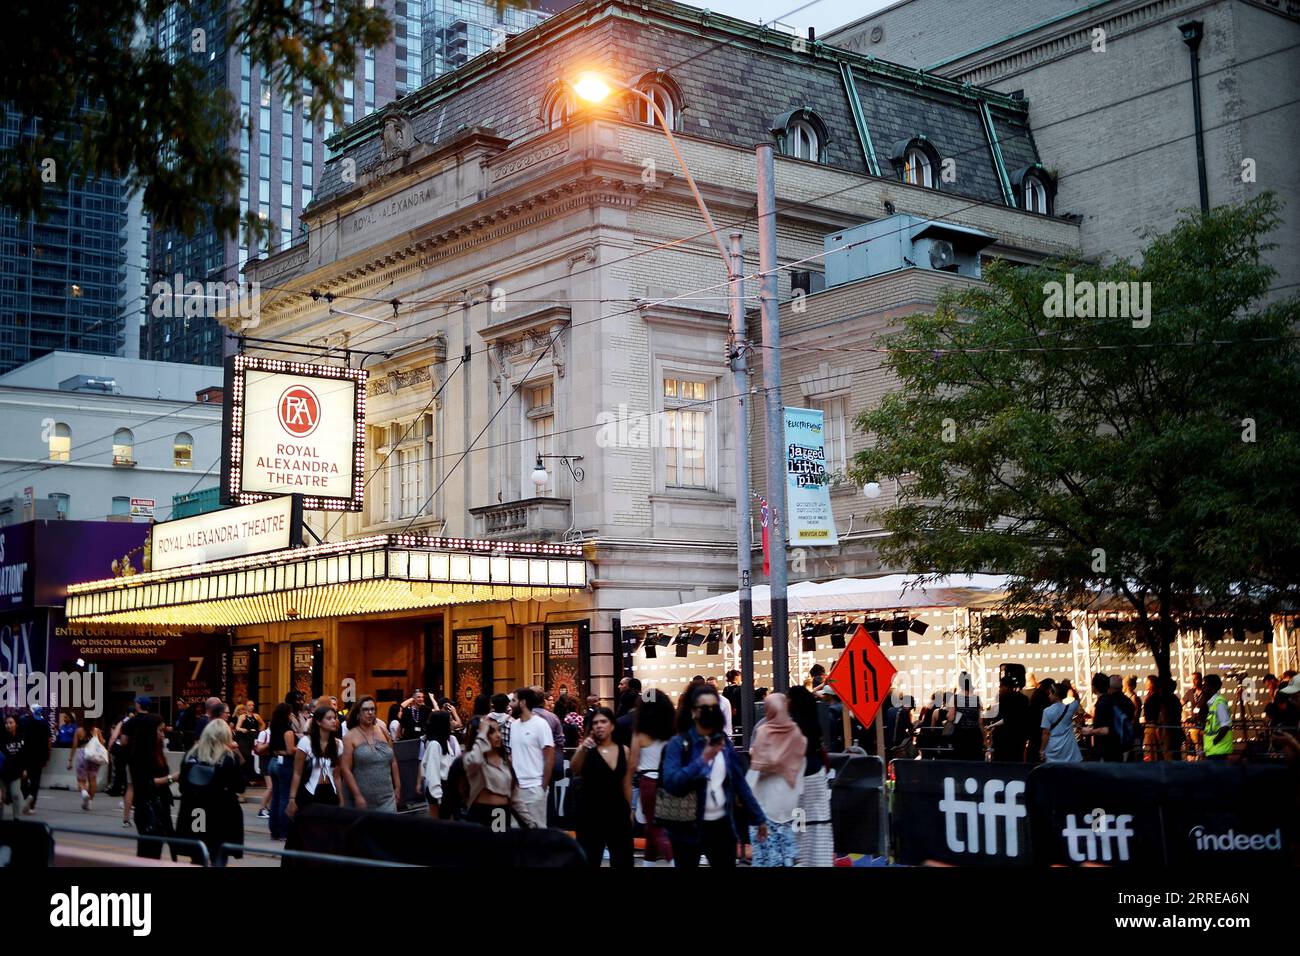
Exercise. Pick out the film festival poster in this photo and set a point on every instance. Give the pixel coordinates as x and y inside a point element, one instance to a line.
<point>241,665</point>
<point>467,672</point>
<point>304,666</point>
<point>566,658</point>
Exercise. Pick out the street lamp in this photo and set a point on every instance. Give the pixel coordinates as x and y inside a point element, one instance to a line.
<point>594,88</point>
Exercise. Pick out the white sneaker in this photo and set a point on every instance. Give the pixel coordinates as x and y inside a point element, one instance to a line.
<point>126,824</point>
<point>121,805</point>
<point>85,799</point>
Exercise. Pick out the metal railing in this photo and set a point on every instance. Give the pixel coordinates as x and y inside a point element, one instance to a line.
<point>175,842</point>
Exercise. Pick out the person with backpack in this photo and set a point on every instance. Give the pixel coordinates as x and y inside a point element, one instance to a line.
<point>212,778</point>
<point>1112,721</point>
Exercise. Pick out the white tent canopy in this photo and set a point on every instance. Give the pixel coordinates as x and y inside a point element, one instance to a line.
<point>845,595</point>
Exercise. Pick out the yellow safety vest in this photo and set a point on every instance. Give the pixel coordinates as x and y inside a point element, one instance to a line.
<point>1212,728</point>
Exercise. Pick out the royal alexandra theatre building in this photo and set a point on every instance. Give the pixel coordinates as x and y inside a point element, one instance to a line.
<point>375,614</point>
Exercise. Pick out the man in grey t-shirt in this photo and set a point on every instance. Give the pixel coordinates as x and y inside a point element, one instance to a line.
<point>1059,743</point>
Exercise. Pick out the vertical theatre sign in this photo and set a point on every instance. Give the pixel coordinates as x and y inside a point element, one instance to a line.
<point>566,658</point>
<point>293,428</point>
<point>807,492</point>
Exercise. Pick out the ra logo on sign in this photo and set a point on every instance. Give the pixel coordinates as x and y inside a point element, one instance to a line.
<point>299,411</point>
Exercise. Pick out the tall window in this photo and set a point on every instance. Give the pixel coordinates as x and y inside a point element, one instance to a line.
<point>685,432</point>
<point>835,434</point>
<point>123,447</point>
<point>410,470</point>
<point>535,654</point>
<point>539,417</point>
<point>801,141</point>
<point>183,450</point>
<point>60,442</point>
<point>916,168</point>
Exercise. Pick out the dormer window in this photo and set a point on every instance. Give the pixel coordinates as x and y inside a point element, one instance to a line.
<point>558,107</point>
<point>802,135</point>
<point>917,162</point>
<point>667,95</point>
<point>1034,189</point>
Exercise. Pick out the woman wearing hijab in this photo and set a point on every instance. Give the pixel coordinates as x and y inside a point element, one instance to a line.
<point>776,766</point>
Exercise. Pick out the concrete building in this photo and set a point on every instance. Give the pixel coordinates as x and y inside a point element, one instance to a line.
<point>280,161</point>
<point>545,268</point>
<point>1110,94</point>
<point>88,434</point>
<point>62,278</point>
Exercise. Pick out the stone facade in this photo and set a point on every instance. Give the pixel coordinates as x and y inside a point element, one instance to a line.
<point>557,294</point>
<point>1117,126</point>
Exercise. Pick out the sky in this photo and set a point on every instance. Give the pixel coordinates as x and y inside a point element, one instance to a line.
<point>824,15</point>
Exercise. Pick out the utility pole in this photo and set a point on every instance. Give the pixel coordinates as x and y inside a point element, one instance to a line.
<point>775,414</point>
<point>740,426</point>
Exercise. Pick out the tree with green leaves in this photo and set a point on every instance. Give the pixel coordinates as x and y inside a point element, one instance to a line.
<point>106,99</point>
<point>1084,437</point>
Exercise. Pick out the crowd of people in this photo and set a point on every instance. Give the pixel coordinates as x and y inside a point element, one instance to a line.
<point>1046,721</point>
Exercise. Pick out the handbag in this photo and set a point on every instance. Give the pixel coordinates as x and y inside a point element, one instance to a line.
<point>907,749</point>
<point>95,751</point>
<point>199,774</point>
<point>671,809</point>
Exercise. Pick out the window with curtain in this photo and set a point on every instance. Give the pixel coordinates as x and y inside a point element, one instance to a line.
<point>916,168</point>
<point>539,427</point>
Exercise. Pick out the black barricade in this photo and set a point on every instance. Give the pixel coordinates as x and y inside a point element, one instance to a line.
<point>1167,814</point>
<point>963,812</point>
<point>408,768</point>
<point>424,841</point>
<point>26,844</point>
<point>855,803</point>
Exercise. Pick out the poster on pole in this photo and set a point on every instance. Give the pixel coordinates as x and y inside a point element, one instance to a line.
<point>807,484</point>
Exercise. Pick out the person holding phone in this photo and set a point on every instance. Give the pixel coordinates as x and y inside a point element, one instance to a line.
<point>604,809</point>
<point>701,759</point>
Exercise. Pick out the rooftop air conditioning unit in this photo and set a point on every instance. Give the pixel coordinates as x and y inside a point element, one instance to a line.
<point>902,242</point>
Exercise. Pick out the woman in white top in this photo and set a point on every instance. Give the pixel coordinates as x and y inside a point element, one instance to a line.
<point>260,764</point>
<point>316,763</point>
<point>654,728</point>
<point>776,766</point>
<point>440,749</point>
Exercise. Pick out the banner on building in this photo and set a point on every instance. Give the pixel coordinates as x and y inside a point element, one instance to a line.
<point>807,483</point>
<point>961,812</point>
<point>471,672</point>
<point>567,653</point>
<point>305,669</point>
<point>1168,814</point>
<point>293,428</point>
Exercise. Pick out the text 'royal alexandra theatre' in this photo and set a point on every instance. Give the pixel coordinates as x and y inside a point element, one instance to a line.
<point>380,614</point>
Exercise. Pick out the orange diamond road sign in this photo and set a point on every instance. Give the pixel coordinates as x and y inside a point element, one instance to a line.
<point>862,676</point>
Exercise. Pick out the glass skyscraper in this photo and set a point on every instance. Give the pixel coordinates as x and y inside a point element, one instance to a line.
<point>456,31</point>
<point>62,277</point>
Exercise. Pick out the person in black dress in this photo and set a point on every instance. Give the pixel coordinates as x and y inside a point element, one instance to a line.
<point>1011,728</point>
<point>151,785</point>
<point>604,810</point>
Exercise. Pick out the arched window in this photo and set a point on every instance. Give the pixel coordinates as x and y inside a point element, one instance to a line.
<point>667,95</point>
<point>1034,189</point>
<point>916,168</point>
<point>558,107</point>
<point>917,162</point>
<point>123,447</point>
<point>803,142</point>
<point>60,442</point>
<point>183,450</point>
<point>664,100</point>
<point>802,135</point>
<point>1033,195</point>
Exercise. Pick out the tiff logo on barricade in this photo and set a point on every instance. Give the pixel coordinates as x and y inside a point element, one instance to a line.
<point>1002,806</point>
<point>75,909</point>
<point>1103,837</point>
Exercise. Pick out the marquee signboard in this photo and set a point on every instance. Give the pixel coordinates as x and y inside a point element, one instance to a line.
<point>264,526</point>
<point>293,428</point>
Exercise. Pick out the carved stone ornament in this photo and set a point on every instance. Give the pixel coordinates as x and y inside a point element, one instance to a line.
<point>398,137</point>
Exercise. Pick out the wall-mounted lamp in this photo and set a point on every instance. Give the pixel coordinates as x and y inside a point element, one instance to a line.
<point>540,477</point>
